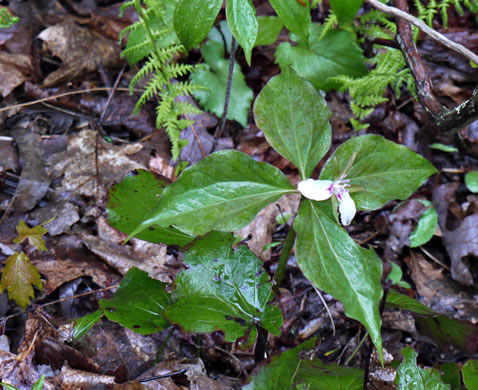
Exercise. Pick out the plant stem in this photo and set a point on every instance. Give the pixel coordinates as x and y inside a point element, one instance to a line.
<point>232,60</point>
<point>284,257</point>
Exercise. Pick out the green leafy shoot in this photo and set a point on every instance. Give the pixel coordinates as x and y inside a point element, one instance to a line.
<point>410,376</point>
<point>154,39</point>
<point>471,181</point>
<point>444,148</point>
<point>223,289</point>
<point>38,385</point>
<point>214,74</point>
<point>6,18</point>
<point>427,224</point>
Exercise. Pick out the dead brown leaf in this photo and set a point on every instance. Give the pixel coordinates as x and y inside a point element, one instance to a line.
<point>80,50</point>
<point>15,69</point>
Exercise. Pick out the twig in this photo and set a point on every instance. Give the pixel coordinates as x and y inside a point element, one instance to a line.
<point>60,95</point>
<point>115,86</point>
<point>327,309</point>
<point>427,30</point>
<point>232,60</point>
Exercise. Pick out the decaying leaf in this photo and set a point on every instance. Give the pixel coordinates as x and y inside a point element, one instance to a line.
<point>81,51</point>
<point>460,242</point>
<point>18,278</point>
<point>14,70</point>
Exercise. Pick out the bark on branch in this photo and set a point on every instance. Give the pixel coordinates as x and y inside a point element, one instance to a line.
<point>446,119</point>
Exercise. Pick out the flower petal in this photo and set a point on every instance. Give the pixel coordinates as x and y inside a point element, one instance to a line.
<point>316,189</point>
<point>347,209</point>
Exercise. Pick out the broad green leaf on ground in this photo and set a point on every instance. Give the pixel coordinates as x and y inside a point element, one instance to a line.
<point>269,29</point>
<point>221,34</point>
<point>18,278</point>
<point>38,385</point>
<point>132,200</point>
<point>383,168</point>
<point>295,16</point>
<point>139,303</point>
<point>288,371</point>
<point>334,263</point>
<point>313,374</point>
<point>443,330</point>
<point>214,74</point>
<point>471,181</point>
<point>395,276</point>
<point>279,373</point>
<point>450,374</point>
<point>337,53</point>
<point>345,10</point>
<point>84,324</point>
<point>410,376</point>
<point>193,19</point>
<point>223,192</point>
<point>295,120</point>
<point>241,17</point>
<point>470,374</point>
<point>34,235</point>
<point>427,224</point>
<point>226,289</point>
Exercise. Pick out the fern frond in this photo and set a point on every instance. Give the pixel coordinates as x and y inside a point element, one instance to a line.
<point>330,23</point>
<point>153,87</point>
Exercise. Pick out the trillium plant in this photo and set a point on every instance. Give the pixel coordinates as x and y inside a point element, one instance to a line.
<point>224,192</point>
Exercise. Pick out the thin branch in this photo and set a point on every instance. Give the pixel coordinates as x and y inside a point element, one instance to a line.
<point>232,60</point>
<point>424,27</point>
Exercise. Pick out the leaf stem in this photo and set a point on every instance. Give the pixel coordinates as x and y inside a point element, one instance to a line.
<point>232,60</point>
<point>284,257</point>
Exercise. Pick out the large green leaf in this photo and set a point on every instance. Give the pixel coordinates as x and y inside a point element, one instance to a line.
<point>139,303</point>
<point>215,75</point>
<point>133,200</point>
<point>410,376</point>
<point>193,19</point>
<point>334,263</point>
<point>317,60</point>
<point>383,168</point>
<point>226,289</point>
<point>269,29</point>
<point>345,10</point>
<point>295,120</point>
<point>295,16</point>
<point>290,371</point>
<point>470,374</point>
<point>224,192</point>
<point>241,17</point>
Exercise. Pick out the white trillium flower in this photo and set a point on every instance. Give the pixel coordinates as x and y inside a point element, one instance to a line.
<point>324,189</point>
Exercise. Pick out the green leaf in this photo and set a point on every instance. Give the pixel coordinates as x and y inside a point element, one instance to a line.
<point>34,235</point>
<point>269,29</point>
<point>450,374</point>
<point>223,192</point>
<point>39,383</point>
<point>295,16</point>
<point>334,263</point>
<point>215,75</point>
<point>241,17</point>
<point>6,385</point>
<point>193,19</point>
<point>396,299</point>
<point>139,303</point>
<point>133,200</point>
<point>317,60</point>
<point>84,324</point>
<point>290,371</point>
<point>383,168</point>
<point>226,289</point>
<point>410,376</point>
<point>426,226</point>
<point>345,10</point>
<point>279,373</point>
<point>470,374</point>
<point>444,148</point>
<point>295,120</point>
<point>18,278</point>
<point>471,181</point>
